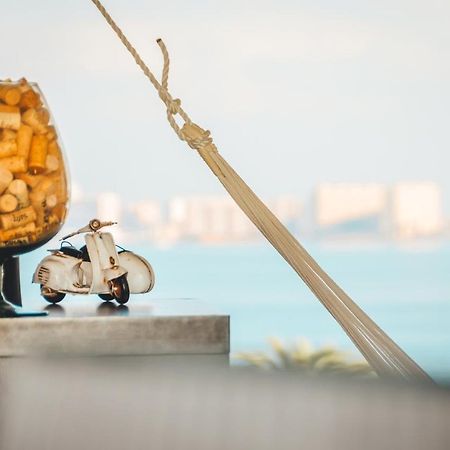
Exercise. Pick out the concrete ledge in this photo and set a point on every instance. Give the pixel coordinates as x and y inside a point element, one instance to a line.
<point>142,331</point>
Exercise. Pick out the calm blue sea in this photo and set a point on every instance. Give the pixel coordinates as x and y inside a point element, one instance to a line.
<point>406,290</point>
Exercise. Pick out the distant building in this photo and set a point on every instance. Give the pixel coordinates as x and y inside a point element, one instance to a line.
<point>219,219</point>
<point>148,212</point>
<point>208,218</point>
<point>288,209</point>
<point>416,210</point>
<point>407,210</point>
<point>143,220</point>
<point>350,208</point>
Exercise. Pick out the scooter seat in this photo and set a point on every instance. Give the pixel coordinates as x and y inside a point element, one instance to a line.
<point>84,254</point>
<point>72,251</point>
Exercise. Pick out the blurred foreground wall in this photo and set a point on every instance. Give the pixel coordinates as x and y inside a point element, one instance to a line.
<point>161,403</point>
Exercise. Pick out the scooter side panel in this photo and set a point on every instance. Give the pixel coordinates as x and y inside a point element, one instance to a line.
<point>86,270</point>
<point>58,272</point>
<point>141,277</point>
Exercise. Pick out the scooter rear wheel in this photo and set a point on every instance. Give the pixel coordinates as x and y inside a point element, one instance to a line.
<point>50,295</point>
<point>120,289</point>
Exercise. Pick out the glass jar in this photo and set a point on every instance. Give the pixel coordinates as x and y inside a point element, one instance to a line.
<point>34,191</point>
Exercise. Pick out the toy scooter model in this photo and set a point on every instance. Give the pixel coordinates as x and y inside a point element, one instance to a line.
<point>97,268</point>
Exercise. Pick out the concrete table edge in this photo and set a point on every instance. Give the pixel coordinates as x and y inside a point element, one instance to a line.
<point>116,335</point>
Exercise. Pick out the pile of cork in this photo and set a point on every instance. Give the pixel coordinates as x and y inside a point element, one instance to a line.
<point>33,187</point>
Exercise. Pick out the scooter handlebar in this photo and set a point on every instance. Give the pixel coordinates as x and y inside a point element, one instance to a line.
<point>93,226</point>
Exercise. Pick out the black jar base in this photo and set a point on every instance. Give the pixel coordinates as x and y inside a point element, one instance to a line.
<point>10,295</point>
<point>8,311</point>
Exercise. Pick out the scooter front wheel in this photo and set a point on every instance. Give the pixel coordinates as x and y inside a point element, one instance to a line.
<point>120,289</point>
<point>51,295</point>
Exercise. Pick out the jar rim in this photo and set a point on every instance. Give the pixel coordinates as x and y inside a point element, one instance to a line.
<point>9,81</point>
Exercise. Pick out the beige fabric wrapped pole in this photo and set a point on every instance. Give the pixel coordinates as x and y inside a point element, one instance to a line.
<point>383,354</point>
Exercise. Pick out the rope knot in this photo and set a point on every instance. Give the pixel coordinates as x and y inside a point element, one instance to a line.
<point>197,138</point>
<point>200,142</point>
<point>174,106</point>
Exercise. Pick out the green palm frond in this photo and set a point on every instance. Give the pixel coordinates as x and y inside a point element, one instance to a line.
<point>302,356</point>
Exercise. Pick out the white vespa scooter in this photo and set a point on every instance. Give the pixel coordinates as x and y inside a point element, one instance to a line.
<point>97,268</point>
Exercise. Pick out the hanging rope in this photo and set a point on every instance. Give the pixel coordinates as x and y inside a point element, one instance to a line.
<point>382,353</point>
<point>173,106</point>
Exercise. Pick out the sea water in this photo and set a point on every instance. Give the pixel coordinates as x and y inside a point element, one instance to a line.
<point>405,289</point>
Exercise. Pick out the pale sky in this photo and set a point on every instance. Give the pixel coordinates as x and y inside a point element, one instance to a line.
<point>294,92</point>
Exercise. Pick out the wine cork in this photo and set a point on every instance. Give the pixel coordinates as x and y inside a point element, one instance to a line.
<point>14,233</point>
<point>5,179</point>
<point>37,198</point>
<point>14,164</point>
<point>38,154</point>
<point>23,85</point>
<point>53,184</point>
<point>31,180</point>
<point>30,99</point>
<point>19,189</point>
<point>51,133</point>
<point>8,135</point>
<point>44,117</point>
<point>8,203</point>
<point>18,218</point>
<point>9,117</point>
<point>61,189</point>
<point>38,202</point>
<point>22,241</point>
<point>41,218</point>
<point>48,185</point>
<point>59,211</point>
<point>53,148</point>
<point>52,219</point>
<point>10,94</point>
<point>51,201</point>
<point>8,148</point>
<point>44,188</point>
<point>23,140</point>
<point>32,118</point>
<point>52,163</point>
<point>50,222</point>
<point>45,196</point>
